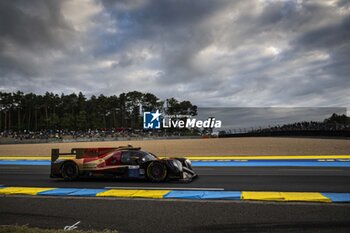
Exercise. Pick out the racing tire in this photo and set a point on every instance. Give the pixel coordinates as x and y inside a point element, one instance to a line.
<point>70,171</point>
<point>157,172</point>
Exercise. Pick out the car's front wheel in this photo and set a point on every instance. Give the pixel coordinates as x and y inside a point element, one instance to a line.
<point>70,171</point>
<point>157,172</point>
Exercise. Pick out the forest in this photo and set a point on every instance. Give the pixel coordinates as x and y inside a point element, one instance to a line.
<point>33,112</point>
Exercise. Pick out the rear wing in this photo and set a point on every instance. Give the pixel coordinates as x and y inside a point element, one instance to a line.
<point>55,153</point>
<point>89,152</point>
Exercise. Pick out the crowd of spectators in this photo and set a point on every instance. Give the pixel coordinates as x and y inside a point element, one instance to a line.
<point>96,134</point>
<point>71,134</point>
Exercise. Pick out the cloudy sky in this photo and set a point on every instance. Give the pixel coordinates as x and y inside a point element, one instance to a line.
<point>214,53</point>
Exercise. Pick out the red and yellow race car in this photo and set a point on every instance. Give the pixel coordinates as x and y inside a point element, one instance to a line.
<point>119,162</point>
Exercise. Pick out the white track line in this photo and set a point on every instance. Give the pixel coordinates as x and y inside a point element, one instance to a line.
<point>166,188</point>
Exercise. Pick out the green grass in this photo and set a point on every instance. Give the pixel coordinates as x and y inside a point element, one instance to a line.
<point>27,229</point>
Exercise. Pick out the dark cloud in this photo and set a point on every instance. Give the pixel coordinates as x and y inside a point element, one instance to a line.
<point>327,37</point>
<point>218,53</point>
<point>34,24</point>
<point>28,29</point>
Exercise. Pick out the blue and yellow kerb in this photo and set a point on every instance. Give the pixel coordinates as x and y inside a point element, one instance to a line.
<point>181,194</point>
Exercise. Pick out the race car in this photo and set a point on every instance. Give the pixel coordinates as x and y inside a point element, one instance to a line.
<point>119,162</point>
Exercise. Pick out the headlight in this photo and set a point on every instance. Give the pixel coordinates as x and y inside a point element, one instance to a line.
<point>177,164</point>
<point>187,161</point>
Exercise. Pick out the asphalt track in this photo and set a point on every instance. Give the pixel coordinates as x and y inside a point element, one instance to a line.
<point>141,215</point>
<point>144,215</point>
<point>307,179</point>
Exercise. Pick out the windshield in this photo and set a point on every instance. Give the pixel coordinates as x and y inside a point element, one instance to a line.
<point>149,157</point>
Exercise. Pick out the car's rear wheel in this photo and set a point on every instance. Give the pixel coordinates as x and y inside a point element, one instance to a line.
<point>70,171</point>
<point>157,172</point>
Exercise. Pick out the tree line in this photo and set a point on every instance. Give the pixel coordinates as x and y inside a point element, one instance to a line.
<point>33,112</point>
